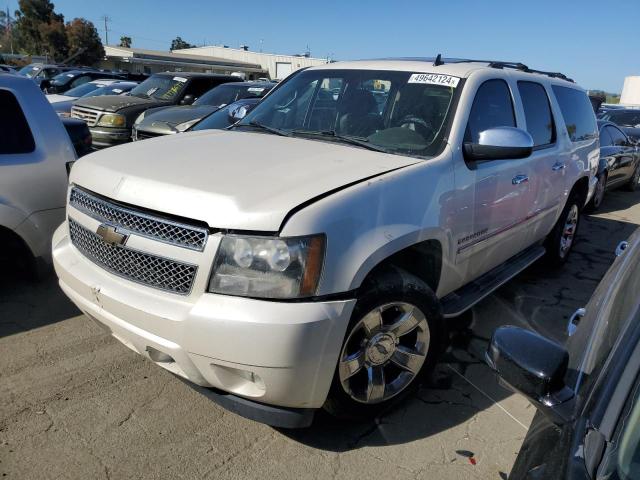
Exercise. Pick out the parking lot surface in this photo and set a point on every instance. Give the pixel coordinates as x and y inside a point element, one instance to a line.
<point>75,403</point>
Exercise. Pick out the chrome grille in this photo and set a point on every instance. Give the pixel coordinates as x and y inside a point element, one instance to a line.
<point>150,226</point>
<point>86,114</point>
<point>150,270</point>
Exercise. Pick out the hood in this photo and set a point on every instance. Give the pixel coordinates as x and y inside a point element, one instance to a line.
<point>173,116</point>
<point>55,98</point>
<point>228,179</point>
<point>114,103</point>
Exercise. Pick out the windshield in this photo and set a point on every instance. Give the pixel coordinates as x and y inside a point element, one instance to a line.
<point>160,87</point>
<point>62,78</point>
<point>397,112</point>
<point>216,121</point>
<point>82,90</point>
<point>229,93</point>
<point>625,119</point>
<point>29,71</point>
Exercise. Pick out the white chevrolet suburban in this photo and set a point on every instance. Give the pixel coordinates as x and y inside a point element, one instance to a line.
<point>310,255</point>
<point>35,154</point>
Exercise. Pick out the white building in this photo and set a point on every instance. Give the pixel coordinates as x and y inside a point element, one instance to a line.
<point>138,60</point>
<point>631,91</point>
<point>278,66</point>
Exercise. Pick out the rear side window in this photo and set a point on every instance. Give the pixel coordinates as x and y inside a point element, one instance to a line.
<point>617,136</point>
<point>537,112</point>
<point>492,107</point>
<point>577,113</point>
<point>605,138</point>
<point>15,134</point>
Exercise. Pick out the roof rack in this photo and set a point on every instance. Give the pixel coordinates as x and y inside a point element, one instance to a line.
<point>499,64</point>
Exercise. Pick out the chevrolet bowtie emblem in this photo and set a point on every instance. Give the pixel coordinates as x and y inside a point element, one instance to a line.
<point>110,236</point>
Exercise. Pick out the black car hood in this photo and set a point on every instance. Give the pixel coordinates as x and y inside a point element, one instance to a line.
<point>114,103</point>
<point>176,115</point>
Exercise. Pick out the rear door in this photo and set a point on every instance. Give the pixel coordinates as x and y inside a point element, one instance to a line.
<point>547,184</point>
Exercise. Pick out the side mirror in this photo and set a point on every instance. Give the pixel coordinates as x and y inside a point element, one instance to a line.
<point>45,85</point>
<point>534,366</point>
<point>188,99</point>
<point>238,113</point>
<point>500,143</point>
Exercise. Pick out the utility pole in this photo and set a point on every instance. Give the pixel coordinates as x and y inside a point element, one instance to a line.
<point>9,27</point>
<point>106,28</point>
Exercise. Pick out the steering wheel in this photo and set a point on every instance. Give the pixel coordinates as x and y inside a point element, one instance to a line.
<point>419,126</point>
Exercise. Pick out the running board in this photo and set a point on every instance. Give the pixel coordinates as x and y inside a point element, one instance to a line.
<point>466,297</point>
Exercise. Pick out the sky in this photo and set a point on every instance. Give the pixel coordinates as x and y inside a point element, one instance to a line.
<point>595,42</point>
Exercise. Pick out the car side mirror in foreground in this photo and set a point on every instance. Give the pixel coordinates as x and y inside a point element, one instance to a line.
<point>187,100</point>
<point>237,113</point>
<point>499,143</point>
<point>534,366</point>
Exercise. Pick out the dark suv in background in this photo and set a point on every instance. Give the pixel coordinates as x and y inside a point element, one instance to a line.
<point>74,78</point>
<point>168,120</point>
<point>111,118</point>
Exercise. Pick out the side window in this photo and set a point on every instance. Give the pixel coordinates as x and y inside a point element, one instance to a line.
<point>492,107</point>
<point>15,134</point>
<point>617,137</point>
<point>537,112</point>
<point>80,81</point>
<point>199,86</point>
<point>577,113</point>
<point>605,138</point>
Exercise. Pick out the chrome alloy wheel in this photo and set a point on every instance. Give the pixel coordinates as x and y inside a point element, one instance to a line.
<point>569,230</point>
<point>384,352</point>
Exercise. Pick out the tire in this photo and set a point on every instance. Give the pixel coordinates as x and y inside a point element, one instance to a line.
<point>561,240</point>
<point>368,378</point>
<point>598,195</point>
<point>634,181</point>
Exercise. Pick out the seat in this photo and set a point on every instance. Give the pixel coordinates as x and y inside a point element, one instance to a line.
<point>359,114</point>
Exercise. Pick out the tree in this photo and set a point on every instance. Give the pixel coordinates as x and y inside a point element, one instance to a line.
<point>178,44</point>
<point>38,29</point>
<point>84,42</point>
<point>125,42</point>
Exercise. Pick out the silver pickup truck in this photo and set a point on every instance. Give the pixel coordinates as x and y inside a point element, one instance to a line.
<point>311,255</point>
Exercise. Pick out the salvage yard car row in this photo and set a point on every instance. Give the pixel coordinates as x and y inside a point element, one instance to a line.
<point>312,254</point>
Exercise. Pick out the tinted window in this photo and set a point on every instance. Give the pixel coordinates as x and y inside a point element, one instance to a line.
<point>15,134</point>
<point>537,112</point>
<point>617,136</point>
<point>492,107</point>
<point>626,119</point>
<point>577,113</point>
<point>605,138</point>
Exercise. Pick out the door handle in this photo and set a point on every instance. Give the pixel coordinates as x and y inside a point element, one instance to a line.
<point>558,166</point>
<point>518,179</point>
<point>575,320</point>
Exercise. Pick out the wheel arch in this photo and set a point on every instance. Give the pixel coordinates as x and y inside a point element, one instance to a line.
<point>422,259</point>
<point>581,189</point>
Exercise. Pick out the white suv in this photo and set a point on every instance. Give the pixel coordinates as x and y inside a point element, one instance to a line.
<point>311,255</point>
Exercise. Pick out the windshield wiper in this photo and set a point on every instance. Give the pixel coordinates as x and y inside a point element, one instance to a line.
<point>264,127</point>
<point>358,141</point>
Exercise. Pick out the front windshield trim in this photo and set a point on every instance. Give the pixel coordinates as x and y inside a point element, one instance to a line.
<point>393,140</point>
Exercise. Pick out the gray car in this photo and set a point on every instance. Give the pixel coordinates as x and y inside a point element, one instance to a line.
<point>169,120</point>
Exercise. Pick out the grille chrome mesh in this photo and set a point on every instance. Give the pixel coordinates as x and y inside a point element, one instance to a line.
<point>150,270</point>
<point>150,226</point>
<point>86,114</point>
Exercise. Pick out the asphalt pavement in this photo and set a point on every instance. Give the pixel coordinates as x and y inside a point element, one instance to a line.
<point>75,403</point>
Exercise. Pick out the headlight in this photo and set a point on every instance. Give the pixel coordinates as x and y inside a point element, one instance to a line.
<point>268,267</point>
<point>140,118</point>
<point>112,120</point>
<point>186,125</point>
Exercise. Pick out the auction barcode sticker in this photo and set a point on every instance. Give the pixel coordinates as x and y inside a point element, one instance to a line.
<point>434,79</point>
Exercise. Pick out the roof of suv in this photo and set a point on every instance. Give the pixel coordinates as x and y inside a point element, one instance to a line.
<point>451,66</point>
